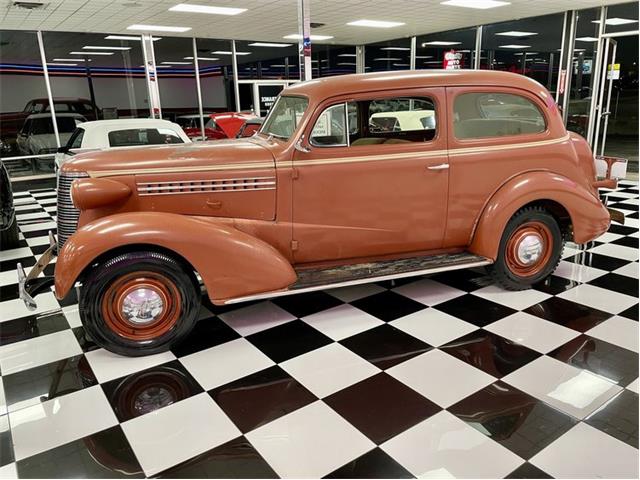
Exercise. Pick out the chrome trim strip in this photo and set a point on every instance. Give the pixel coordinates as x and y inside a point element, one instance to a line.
<point>143,187</point>
<point>208,180</point>
<point>239,190</point>
<point>282,293</point>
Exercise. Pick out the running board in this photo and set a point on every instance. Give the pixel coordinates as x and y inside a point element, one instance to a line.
<point>311,280</point>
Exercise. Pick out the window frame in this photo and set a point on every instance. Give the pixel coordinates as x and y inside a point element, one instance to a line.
<point>345,113</point>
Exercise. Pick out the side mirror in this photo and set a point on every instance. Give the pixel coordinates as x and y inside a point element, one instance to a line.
<point>299,147</point>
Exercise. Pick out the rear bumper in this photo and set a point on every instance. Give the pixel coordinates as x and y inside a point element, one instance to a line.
<point>32,284</point>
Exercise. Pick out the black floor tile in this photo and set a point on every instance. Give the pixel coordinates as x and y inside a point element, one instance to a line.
<point>84,340</point>
<point>514,419</point>
<point>32,326</point>
<point>6,443</point>
<point>631,313</point>
<point>261,397</point>
<point>7,265</point>
<point>373,464</point>
<point>490,353</point>
<point>149,390</point>
<point>388,305</point>
<point>622,229</point>
<point>288,340</point>
<point>475,310</point>
<point>9,292</point>
<point>555,285</point>
<point>106,454</point>
<point>627,242</point>
<point>526,470</point>
<point>39,233</point>
<point>600,357</point>
<point>617,283</point>
<point>207,333</point>
<point>618,418</point>
<point>385,346</point>
<point>234,459</point>
<point>307,304</point>
<point>466,280</point>
<point>568,314</point>
<point>595,260</point>
<point>381,407</point>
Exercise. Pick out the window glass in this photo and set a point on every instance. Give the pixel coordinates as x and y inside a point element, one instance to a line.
<point>283,118</point>
<point>480,115</point>
<point>401,115</point>
<point>143,136</point>
<point>75,141</point>
<point>329,129</point>
<point>453,49</point>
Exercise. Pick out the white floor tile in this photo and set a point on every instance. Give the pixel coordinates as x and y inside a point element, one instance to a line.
<point>572,390</point>
<point>533,332</point>
<point>600,298</point>
<point>428,292</point>
<point>108,366</point>
<point>72,315</point>
<point>516,300</point>
<point>619,331</point>
<point>608,237</point>
<point>8,472</point>
<point>617,251</point>
<point>59,421</point>
<point>355,292</point>
<point>21,217</point>
<point>168,436</point>
<point>630,270</point>
<point>225,363</point>
<point>8,277</point>
<point>570,251</point>
<point>433,326</point>
<point>443,446</point>
<point>15,253</point>
<point>329,369</point>
<point>309,443</point>
<point>342,321</point>
<point>19,356</point>
<point>37,241</point>
<point>633,386</point>
<point>3,400</point>
<point>38,226</point>
<point>256,318</point>
<point>16,309</point>
<point>586,452</point>
<point>577,272</point>
<point>441,377</point>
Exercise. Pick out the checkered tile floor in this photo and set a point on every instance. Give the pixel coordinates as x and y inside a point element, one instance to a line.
<point>438,376</point>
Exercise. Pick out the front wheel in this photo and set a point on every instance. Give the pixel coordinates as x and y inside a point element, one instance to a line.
<point>139,303</point>
<point>530,249</point>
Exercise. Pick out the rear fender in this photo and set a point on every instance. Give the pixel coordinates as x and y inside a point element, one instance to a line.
<point>230,262</point>
<point>589,218</point>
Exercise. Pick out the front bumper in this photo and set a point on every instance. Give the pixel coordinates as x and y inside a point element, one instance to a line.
<point>32,284</point>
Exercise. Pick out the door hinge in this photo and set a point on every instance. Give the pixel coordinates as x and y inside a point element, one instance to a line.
<point>294,173</point>
<point>294,245</point>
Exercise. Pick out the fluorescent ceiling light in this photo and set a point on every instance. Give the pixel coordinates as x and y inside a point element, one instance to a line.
<point>528,53</point>
<point>228,52</point>
<point>401,65</point>
<point>267,44</point>
<point>158,28</point>
<point>375,23</point>
<point>386,59</point>
<point>128,38</point>
<point>278,65</point>
<point>424,56</point>
<point>616,21</point>
<point>396,48</point>
<point>297,36</point>
<point>586,39</point>
<point>90,47</point>
<point>346,63</point>
<point>176,63</point>
<point>516,33</point>
<point>514,46</point>
<point>90,53</point>
<point>68,59</point>
<point>480,4</point>
<point>347,55</point>
<point>440,42</point>
<point>431,62</point>
<point>62,64</point>
<point>579,49</point>
<point>207,59</point>
<point>191,8</point>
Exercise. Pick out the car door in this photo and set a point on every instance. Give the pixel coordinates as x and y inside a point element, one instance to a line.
<point>377,191</point>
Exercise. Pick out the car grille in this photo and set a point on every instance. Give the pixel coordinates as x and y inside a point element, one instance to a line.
<point>66,213</point>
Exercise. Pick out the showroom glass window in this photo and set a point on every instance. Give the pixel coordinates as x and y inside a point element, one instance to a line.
<point>22,93</point>
<point>216,76</point>
<point>330,60</point>
<point>390,55</point>
<point>434,48</point>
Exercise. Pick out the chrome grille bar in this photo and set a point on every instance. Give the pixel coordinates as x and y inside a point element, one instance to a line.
<point>66,214</point>
<point>203,186</point>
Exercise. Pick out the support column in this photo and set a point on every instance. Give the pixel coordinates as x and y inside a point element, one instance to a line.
<point>150,71</point>
<point>47,83</point>
<point>234,66</point>
<point>566,68</point>
<point>360,59</point>
<point>595,72</point>
<point>304,30</point>
<point>478,48</point>
<point>196,68</point>
<point>412,56</point>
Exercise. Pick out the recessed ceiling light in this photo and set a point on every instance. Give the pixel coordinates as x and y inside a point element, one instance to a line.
<point>345,63</point>
<point>440,42</point>
<point>480,4</point>
<point>516,33</point>
<point>90,53</point>
<point>128,38</point>
<point>586,39</point>
<point>375,23</point>
<point>297,36</point>
<point>616,21</point>
<point>62,64</point>
<point>158,28</point>
<point>267,44</point>
<point>396,48</point>
<point>176,63</point>
<point>386,59</point>
<point>191,8</point>
<point>207,59</point>
<point>227,52</point>
<point>579,49</point>
<point>514,46</point>
<point>347,55</point>
<point>90,47</point>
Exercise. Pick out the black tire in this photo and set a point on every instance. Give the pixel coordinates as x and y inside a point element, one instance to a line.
<point>105,285</point>
<point>9,236</point>
<point>507,271</point>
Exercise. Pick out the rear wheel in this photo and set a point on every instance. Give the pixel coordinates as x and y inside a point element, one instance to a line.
<point>530,249</point>
<point>139,303</point>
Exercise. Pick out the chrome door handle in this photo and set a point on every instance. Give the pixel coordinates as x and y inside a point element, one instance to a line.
<point>442,166</point>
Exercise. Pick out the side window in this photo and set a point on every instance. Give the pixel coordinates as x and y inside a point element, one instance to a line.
<point>482,115</point>
<point>75,141</point>
<point>143,136</point>
<point>26,127</point>
<point>329,129</point>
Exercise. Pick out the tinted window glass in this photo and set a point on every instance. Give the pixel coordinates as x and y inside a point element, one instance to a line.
<point>44,126</point>
<point>481,115</point>
<point>75,141</point>
<point>143,136</point>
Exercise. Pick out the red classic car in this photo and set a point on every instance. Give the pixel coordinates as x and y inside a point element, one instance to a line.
<point>220,125</point>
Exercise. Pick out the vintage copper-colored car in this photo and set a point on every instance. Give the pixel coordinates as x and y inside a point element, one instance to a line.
<point>351,179</point>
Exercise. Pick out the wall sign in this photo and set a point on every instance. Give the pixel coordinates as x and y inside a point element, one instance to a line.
<point>613,71</point>
<point>452,60</point>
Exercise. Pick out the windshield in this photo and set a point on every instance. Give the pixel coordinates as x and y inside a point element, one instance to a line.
<point>283,118</point>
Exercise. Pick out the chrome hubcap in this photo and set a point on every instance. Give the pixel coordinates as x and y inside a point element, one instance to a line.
<point>142,306</point>
<point>530,249</point>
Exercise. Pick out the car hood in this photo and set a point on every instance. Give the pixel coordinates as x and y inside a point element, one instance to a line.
<point>181,157</point>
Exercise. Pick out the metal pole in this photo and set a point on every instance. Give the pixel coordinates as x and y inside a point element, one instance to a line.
<point>412,55</point>
<point>561,59</point>
<point>550,72</point>
<point>151,74</point>
<point>304,30</point>
<point>595,72</point>
<point>47,83</point>
<point>607,112</point>
<point>476,60</point>
<point>360,59</point>
<point>234,66</point>
<point>569,65</point>
<point>600,93</point>
<point>196,67</point>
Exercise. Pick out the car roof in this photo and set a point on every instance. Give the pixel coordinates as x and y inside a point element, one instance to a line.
<point>319,89</point>
<point>60,99</point>
<point>128,123</point>
<point>35,116</point>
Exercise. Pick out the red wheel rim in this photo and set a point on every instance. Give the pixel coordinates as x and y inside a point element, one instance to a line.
<point>141,306</point>
<point>529,249</point>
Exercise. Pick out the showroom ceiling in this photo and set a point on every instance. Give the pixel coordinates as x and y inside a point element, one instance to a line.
<point>270,20</point>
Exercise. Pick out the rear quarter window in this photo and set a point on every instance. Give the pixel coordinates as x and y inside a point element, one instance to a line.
<point>143,136</point>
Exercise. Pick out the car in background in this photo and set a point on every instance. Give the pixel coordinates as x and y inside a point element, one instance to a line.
<point>130,132</point>
<point>37,136</point>
<point>9,225</point>
<point>219,125</point>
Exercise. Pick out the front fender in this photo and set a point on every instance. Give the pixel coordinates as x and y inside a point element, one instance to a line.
<point>230,262</point>
<point>589,217</point>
